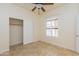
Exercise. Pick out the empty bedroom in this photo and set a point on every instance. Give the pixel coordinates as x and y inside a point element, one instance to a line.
<point>39,29</point>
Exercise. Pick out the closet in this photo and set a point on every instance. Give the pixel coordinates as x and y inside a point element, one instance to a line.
<point>16,31</point>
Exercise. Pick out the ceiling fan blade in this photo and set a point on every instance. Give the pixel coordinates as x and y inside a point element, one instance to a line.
<point>43,9</point>
<point>33,8</point>
<point>47,3</point>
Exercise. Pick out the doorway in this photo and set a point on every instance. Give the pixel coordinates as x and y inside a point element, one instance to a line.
<point>16,31</point>
<point>77,35</point>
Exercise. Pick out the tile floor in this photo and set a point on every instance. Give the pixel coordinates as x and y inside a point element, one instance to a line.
<point>39,49</point>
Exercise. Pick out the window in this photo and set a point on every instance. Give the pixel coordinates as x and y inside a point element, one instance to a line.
<point>52,27</point>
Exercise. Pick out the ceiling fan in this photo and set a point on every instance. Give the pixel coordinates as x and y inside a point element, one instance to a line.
<point>39,6</point>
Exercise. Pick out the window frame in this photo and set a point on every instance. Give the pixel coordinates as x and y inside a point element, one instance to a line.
<point>51,28</point>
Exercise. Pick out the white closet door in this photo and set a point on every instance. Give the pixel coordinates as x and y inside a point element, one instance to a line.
<point>16,34</point>
<point>20,34</point>
<point>77,34</point>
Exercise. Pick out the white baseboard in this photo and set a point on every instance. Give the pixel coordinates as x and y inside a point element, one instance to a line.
<point>30,42</point>
<point>59,46</point>
<point>2,51</point>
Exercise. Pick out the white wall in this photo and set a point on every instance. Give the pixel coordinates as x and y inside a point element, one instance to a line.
<point>10,10</point>
<point>66,15</point>
<point>34,29</point>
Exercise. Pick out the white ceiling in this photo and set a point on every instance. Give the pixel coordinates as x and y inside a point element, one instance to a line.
<point>29,6</point>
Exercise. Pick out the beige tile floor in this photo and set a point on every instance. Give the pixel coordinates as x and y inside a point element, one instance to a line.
<point>39,49</point>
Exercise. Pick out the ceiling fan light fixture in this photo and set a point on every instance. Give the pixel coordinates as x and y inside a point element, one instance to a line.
<point>39,6</point>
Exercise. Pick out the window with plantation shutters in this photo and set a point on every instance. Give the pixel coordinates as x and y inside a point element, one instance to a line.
<point>52,27</point>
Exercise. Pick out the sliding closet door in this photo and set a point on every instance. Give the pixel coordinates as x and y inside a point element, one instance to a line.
<point>16,31</point>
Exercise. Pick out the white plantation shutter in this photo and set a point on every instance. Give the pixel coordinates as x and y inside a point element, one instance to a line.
<point>52,27</point>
